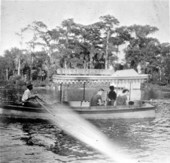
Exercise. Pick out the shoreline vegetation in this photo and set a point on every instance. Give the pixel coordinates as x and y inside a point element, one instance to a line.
<point>12,91</point>
<point>155,91</point>
<point>95,46</point>
<point>15,87</point>
<point>72,45</point>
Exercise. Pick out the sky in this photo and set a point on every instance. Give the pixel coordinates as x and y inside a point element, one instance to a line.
<point>17,14</point>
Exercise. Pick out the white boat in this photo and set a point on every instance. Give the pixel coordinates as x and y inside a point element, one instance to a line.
<point>90,77</point>
<point>96,112</point>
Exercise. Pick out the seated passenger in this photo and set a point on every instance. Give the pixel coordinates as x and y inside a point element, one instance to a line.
<point>96,100</point>
<point>111,96</point>
<point>122,98</point>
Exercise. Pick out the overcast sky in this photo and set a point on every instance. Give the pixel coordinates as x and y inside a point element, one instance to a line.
<point>17,14</point>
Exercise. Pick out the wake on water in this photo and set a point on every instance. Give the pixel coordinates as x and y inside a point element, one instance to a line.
<point>78,127</point>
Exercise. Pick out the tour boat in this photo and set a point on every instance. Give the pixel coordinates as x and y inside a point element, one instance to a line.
<point>145,110</point>
<point>90,78</point>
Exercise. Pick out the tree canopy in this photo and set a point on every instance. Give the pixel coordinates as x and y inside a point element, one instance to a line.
<point>97,45</point>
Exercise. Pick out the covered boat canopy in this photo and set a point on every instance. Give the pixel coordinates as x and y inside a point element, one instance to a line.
<point>73,76</point>
<point>94,77</point>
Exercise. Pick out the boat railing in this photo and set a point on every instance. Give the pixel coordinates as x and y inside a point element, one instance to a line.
<point>104,72</point>
<point>86,104</point>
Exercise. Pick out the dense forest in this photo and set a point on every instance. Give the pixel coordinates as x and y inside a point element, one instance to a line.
<point>94,46</point>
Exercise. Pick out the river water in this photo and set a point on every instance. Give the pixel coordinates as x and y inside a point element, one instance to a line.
<point>147,140</point>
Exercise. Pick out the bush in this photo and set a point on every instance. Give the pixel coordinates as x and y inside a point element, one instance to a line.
<point>12,90</point>
<point>151,91</point>
<point>16,81</point>
<point>11,95</point>
<point>39,83</point>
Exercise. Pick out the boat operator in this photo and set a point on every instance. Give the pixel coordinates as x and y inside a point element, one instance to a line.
<point>96,100</point>
<point>28,97</point>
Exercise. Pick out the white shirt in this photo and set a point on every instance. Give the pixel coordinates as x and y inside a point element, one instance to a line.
<point>27,94</point>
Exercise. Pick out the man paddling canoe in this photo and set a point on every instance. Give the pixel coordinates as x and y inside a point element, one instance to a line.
<point>28,97</point>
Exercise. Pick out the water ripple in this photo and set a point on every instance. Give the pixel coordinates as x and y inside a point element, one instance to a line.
<point>146,140</point>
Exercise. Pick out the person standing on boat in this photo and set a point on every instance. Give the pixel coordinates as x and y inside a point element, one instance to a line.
<point>122,98</point>
<point>111,96</point>
<point>28,97</point>
<point>96,100</point>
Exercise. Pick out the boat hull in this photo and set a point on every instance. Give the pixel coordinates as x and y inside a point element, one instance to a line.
<point>13,111</point>
<point>119,113</point>
<point>99,112</point>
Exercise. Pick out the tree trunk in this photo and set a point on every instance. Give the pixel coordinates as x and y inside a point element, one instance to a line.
<point>107,44</point>
<point>160,74</point>
<point>32,60</point>
<point>7,74</point>
<point>91,56</point>
<point>19,66</point>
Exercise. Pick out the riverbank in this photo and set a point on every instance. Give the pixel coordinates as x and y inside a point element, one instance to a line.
<point>14,149</point>
<point>23,143</point>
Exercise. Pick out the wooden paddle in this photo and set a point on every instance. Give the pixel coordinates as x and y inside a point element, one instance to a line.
<point>44,104</point>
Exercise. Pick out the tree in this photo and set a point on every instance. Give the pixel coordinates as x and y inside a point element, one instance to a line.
<point>108,22</point>
<point>4,69</point>
<point>167,70</point>
<point>14,60</point>
<point>41,37</point>
<point>141,47</point>
<point>165,62</point>
<point>76,45</point>
<point>40,64</point>
<point>19,56</point>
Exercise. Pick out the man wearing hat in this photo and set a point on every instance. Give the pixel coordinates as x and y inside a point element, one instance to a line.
<point>28,96</point>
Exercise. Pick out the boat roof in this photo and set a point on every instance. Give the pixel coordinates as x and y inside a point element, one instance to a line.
<point>69,76</point>
<point>127,73</point>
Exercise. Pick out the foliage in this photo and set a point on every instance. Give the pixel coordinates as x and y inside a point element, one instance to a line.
<point>148,52</point>
<point>155,91</point>
<point>12,90</point>
<point>3,67</point>
<point>16,81</point>
<point>141,47</point>
<point>97,45</point>
<point>167,69</point>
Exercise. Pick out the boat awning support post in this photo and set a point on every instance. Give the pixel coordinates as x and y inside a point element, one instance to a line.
<point>117,87</point>
<point>130,91</point>
<point>61,92</point>
<point>84,91</point>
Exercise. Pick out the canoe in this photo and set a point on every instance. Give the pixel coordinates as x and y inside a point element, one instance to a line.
<point>96,112</point>
<point>19,111</point>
